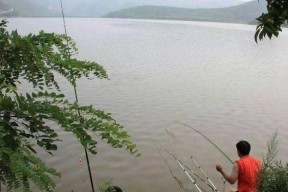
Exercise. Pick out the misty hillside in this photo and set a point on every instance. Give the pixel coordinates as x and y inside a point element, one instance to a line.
<point>7,11</point>
<point>147,9</point>
<point>30,8</point>
<point>244,13</point>
<point>4,7</point>
<point>97,8</point>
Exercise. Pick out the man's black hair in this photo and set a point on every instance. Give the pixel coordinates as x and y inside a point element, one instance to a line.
<point>243,147</point>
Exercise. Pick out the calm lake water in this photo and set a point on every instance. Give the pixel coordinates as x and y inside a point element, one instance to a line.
<point>211,76</point>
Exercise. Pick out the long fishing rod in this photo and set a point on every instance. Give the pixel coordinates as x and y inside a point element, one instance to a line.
<point>203,180</point>
<point>76,97</point>
<point>179,181</point>
<point>171,172</point>
<point>188,175</point>
<point>197,175</point>
<point>184,167</point>
<point>214,187</point>
<point>202,136</point>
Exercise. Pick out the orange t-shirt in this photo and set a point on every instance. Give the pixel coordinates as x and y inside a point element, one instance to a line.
<point>248,168</point>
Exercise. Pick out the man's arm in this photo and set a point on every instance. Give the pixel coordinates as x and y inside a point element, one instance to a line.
<point>232,178</point>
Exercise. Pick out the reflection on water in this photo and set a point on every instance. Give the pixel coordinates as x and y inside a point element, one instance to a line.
<point>211,76</point>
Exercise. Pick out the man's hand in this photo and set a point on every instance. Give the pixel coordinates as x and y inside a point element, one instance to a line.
<point>219,168</point>
<point>232,177</point>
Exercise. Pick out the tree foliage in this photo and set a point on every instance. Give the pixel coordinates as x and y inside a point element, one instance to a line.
<point>273,175</point>
<point>269,24</point>
<point>24,117</point>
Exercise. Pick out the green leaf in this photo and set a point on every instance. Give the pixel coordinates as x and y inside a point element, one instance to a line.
<point>256,34</point>
<point>28,118</point>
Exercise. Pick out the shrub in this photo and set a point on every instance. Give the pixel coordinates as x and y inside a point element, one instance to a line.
<point>273,176</point>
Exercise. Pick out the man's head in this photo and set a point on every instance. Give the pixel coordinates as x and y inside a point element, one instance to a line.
<point>243,148</point>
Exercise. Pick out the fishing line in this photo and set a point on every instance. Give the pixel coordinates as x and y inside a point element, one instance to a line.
<point>167,129</point>
<point>197,175</point>
<point>188,175</point>
<point>171,134</point>
<point>171,148</point>
<point>76,97</point>
<point>165,161</point>
<point>185,168</point>
<point>213,186</point>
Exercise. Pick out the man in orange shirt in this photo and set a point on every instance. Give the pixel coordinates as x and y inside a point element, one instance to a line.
<point>244,169</point>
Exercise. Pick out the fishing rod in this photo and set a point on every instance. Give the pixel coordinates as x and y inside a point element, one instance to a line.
<point>76,98</point>
<point>214,187</point>
<point>165,161</point>
<point>185,168</point>
<point>188,175</point>
<point>202,136</point>
<point>203,180</point>
<point>179,181</point>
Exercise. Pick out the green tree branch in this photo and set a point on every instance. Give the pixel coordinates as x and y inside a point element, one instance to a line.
<point>24,117</point>
<point>270,23</point>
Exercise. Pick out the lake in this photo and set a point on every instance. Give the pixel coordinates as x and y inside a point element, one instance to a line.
<point>210,76</point>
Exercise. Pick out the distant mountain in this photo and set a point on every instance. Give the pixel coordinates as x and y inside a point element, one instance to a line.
<point>97,8</point>
<point>55,5</point>
<point>31,8</point>
<point>7,11</point>
<point>244,13</point>
<point>3,6</point>
<point>149,9</point>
